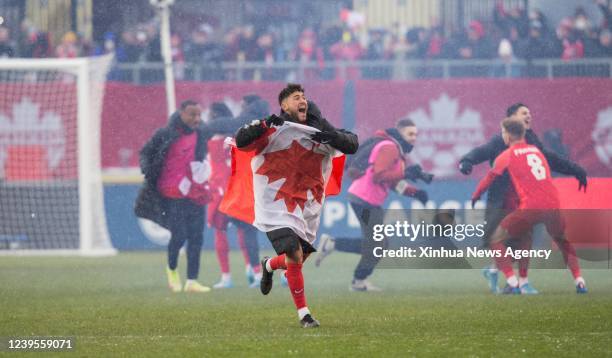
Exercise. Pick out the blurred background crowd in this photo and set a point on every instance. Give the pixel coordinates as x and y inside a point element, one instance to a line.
<point>269,32</point>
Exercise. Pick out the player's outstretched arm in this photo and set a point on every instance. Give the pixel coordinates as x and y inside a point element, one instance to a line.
<point>248,135</point>
<point>559,164</point>
<point>482,153</point>
<point>565,166</point>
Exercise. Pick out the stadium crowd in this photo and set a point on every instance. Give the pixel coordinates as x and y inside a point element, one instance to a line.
<point>509,34</point>
<point>506,34</point>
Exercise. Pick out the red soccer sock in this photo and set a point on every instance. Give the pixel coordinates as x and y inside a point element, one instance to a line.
<point>222,249</point>
<point>569,255</point>
<point>523,263</point>
<point>503,263</point>
<point>243,248</point>
<point>295,279</point>
<point>278,262</point>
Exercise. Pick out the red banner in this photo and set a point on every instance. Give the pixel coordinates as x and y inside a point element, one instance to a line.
<point>453,116</point>
<point>132,113</point>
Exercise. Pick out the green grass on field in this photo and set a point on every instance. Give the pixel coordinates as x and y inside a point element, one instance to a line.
<point>120,306</point>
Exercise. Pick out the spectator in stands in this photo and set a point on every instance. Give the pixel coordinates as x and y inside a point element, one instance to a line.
<point>131,48</point>
<point>69,46</point>
<point>538,15</point>
<point>41,45</point>
<point>571,42</point>
<point>600,47</point>
<point>513,18</point>
<point>508,44</point>
<point>416,47</point>
<point>538,45</point>
<point>247,44</point>
<point>202,48</point>
<point>308,51</point>
<point>6,48</point>
<point>264,51</point>
<point>348,49</point>
<point>108,44</point>
<point>377,50</point>
<point>477,45</point>
<point>604,6</point>
<point>581,22</point>
<point>152,41</point>
<point>435,43</point>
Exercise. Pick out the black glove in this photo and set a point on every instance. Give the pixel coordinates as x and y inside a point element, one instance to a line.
<point>581,176</point>
<point>415,172</point>
<point>474,202</point>
<point>273,119</point>
<point>421,195</point>
<point>465,167</point>
<point>324,137</point>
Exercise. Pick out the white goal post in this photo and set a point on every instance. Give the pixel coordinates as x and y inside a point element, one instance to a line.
<point>51,193</point>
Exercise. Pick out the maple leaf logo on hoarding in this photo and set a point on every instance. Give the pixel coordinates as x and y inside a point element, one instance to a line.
<point>602,135</point>
<point>301,170</point>
<point>26,126</point>
<point>445,134</point>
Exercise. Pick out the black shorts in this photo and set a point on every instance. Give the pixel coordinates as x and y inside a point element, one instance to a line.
<point>285,240</point>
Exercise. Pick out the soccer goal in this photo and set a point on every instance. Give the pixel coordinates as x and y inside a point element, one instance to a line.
<point>51,194</point>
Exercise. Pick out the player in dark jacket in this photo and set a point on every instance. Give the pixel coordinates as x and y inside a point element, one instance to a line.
<point>500,195</point>
<point>175,189</point>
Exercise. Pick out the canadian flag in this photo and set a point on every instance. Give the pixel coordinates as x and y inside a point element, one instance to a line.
<point>282,179</point>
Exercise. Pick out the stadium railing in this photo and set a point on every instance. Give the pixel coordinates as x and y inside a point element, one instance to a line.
<point>147,72</point>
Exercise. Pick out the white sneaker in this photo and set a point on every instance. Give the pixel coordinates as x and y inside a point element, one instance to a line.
<point>326,246</point>
<point>363,286</point>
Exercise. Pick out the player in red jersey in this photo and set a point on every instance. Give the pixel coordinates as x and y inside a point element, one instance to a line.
<point>538,201</point>
<point>219,159</point>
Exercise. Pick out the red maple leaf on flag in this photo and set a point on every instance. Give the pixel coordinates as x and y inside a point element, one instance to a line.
<point>301,169</point>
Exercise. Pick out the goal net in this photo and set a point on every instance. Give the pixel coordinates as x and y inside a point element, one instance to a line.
<point>51,195</point>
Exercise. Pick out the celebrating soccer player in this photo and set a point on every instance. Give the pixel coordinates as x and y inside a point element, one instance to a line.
<point>218,151</point>
<point>529,172</point>
<point>502,198</point>
<point>305,163</point>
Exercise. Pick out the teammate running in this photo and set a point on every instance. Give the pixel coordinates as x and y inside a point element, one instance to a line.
<point>293,249</point>
<point>529,172</point>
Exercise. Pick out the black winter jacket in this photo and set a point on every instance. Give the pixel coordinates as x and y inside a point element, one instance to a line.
<point>150,204</point>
